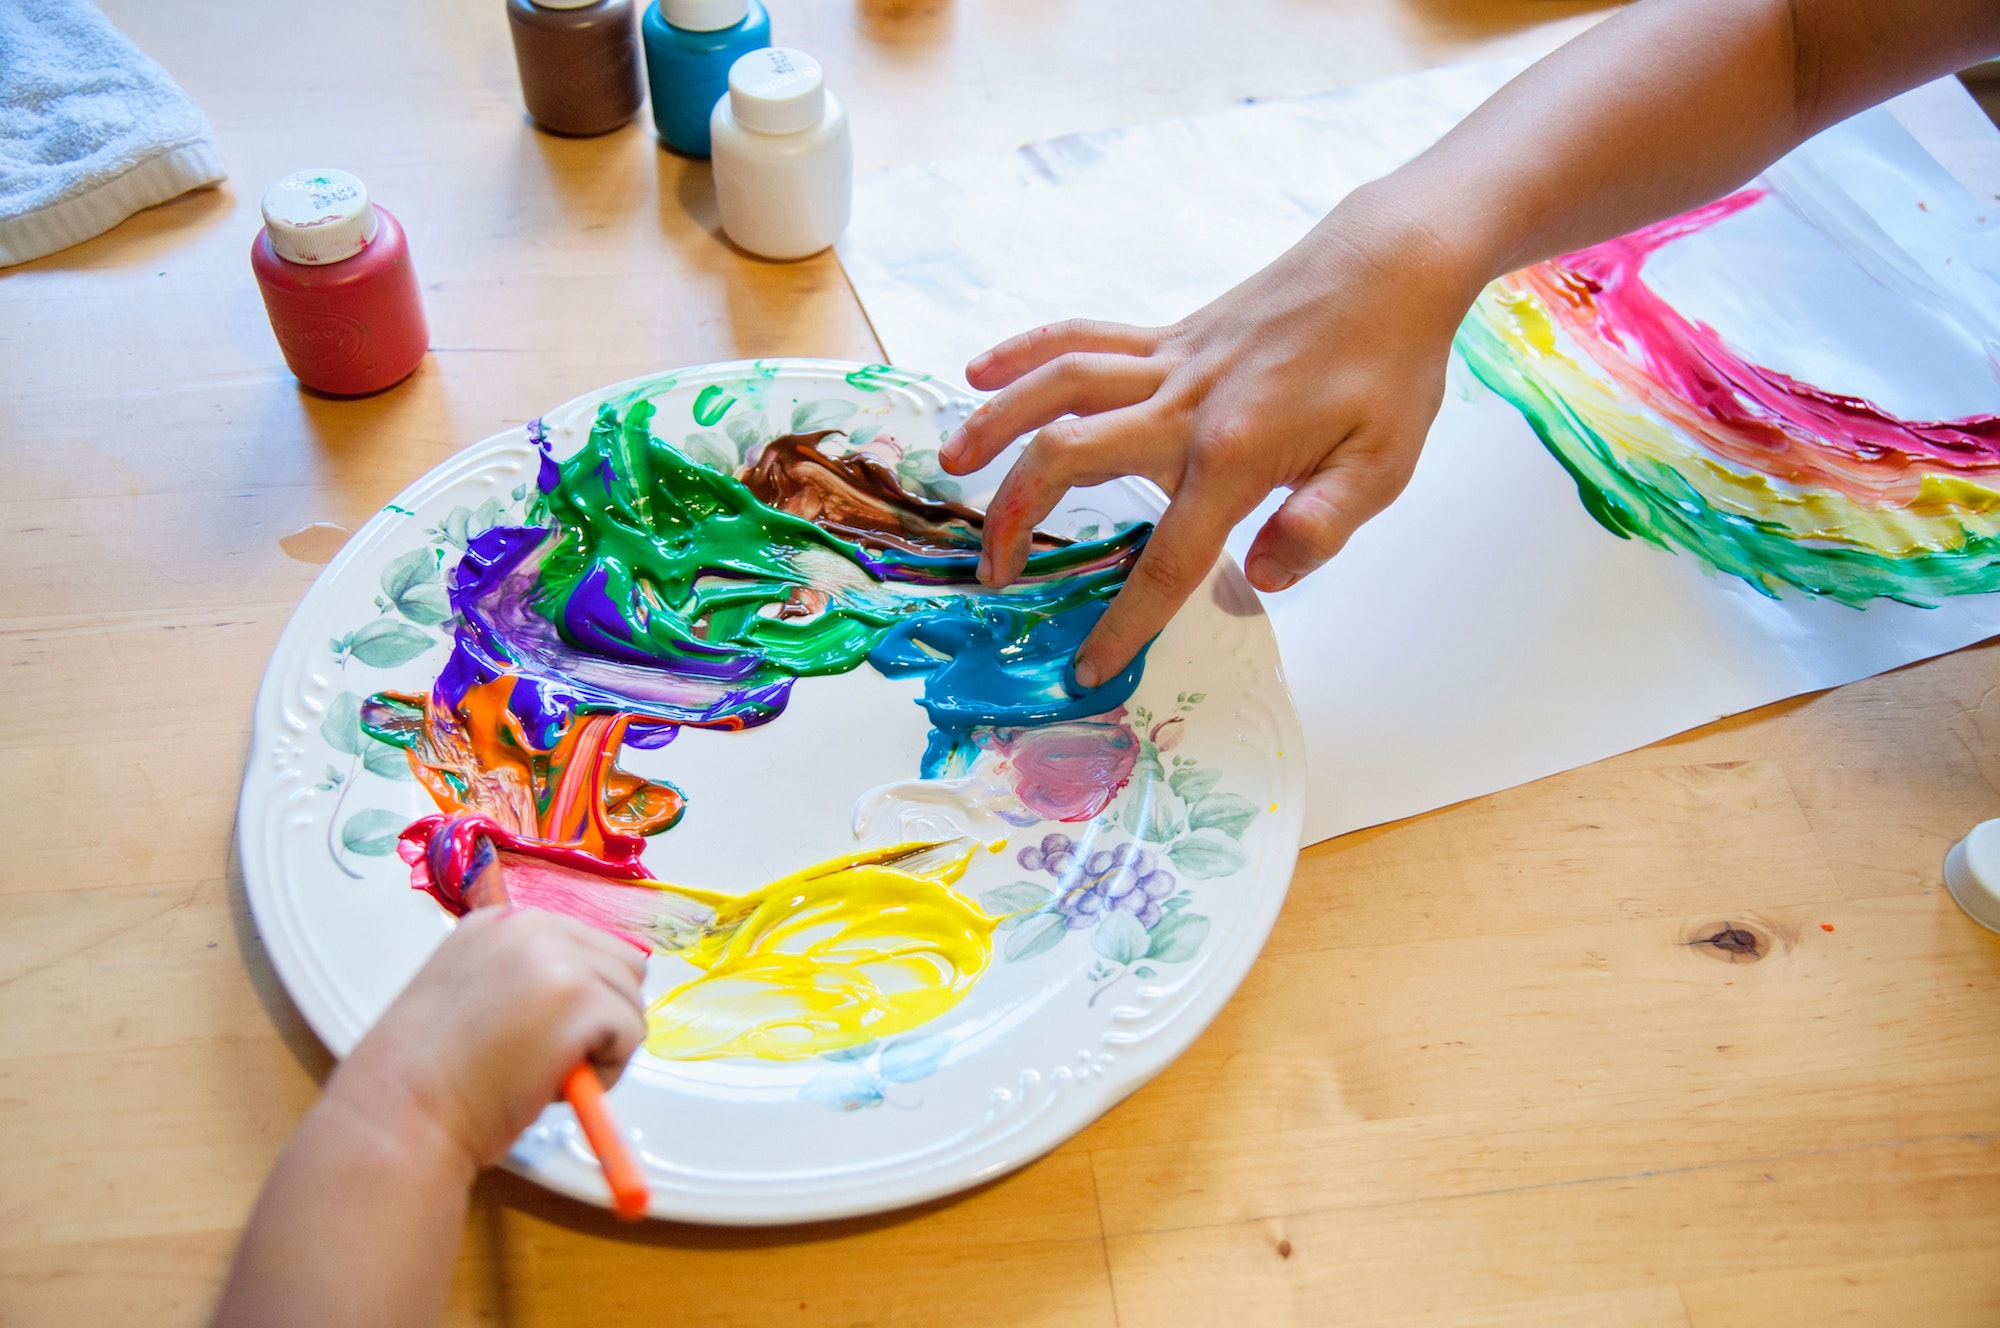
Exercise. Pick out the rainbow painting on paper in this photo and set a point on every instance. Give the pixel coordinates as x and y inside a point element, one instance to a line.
<point>1675,438</point>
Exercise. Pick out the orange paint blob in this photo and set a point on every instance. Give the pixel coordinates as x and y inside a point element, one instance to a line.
<point>477,758</point>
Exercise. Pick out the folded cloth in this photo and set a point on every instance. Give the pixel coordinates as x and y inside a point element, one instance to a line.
<point>91,131</point>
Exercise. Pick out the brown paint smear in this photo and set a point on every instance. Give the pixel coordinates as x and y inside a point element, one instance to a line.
<point>316,543</point>
<point>859,498</point>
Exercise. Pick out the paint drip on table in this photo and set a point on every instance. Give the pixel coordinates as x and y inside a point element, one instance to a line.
<point>649,586</point>
<point>1675,438</point>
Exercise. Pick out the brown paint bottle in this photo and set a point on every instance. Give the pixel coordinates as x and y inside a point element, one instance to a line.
<point>579,62</point>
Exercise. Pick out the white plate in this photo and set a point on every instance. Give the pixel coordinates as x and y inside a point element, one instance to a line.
<point>1043,1044</point>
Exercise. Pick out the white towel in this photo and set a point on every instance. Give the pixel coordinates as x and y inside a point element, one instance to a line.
<point>91,130</point>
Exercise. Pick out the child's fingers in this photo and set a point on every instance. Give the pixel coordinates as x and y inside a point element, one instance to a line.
<point>617,977</point>
<point>1183,547</point>
<point>1066,454</point>
<point>618,1030</point>
<point>1016,355</point>
<point>1076,383</point>
<point>621,955</point>
<point>1322,514</point>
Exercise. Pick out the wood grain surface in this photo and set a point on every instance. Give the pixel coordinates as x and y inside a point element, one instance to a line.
<point>1485,1073</point>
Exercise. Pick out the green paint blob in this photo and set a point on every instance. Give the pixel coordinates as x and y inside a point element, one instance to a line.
<point>711,404</point>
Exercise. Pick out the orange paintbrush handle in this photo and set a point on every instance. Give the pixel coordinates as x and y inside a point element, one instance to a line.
<point>585,1092</point>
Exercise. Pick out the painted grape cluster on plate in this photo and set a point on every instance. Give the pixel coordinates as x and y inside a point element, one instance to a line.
<point>703,656</point>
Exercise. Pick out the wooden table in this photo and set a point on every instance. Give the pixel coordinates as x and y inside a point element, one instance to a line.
<point>1478,1075</point>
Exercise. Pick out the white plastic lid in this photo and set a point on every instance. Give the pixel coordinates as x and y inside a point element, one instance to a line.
<point>777,90</point>
<point>705,15</point>
<point>319,217</point>
<point>1972,874</point>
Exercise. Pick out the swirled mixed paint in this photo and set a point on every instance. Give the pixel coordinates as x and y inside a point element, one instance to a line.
<point>659,593</point>
<point>1673,437</point>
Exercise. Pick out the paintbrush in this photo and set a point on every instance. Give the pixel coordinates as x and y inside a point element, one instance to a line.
<point>583,1090</point>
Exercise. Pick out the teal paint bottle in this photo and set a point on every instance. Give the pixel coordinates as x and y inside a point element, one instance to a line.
<point>690,45</point>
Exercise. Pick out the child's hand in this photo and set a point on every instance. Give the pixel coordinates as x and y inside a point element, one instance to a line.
<point>1321,374</point>
<point>480,1040</point>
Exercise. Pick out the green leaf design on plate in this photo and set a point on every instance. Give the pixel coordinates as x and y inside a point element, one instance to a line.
<point>707,448</point>
<point>1228,812</point>
<point>426,605</point>
<point>342,726</point>
<point>1151,817</point>
<point>380,758</point>
<point>407,571</point>
<point>920,471</point>
<point>747,432</point>
<point>1121,937</point>
<point>371,833</point>
<point>812,416</point>
<point>856,1053</point>
<point>1208,855</point>
<point>384,644</point>
<point>1019,897</point>
<point>911,1058</point>
<point>1039,934</point>
<point>1192,785</point>
<point>1177,938</point>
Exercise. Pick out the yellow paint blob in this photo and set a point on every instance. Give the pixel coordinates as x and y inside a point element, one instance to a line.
<point>858,948</point>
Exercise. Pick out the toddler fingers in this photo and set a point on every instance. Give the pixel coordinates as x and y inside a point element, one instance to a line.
<point>1184,546</point>
<point>621,1031</point>
<point>1063,456</point>
<point>1322,514</point>
<point>1016,355</point>
<point>1077,383</point>
<point>616,953</point>
<point>619,977</point>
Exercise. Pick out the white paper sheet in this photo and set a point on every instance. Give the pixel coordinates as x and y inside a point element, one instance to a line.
<point>1485,631</point>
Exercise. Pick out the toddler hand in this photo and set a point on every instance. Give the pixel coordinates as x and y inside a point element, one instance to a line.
<point>1320,374</point>
<point>481,1039</point>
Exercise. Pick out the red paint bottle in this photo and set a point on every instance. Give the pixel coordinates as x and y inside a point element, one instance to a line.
<point>337,281</point>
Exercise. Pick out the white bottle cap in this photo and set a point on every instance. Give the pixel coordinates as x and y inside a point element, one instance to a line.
<point>777,90</point>
<point>319,217</point>
<point>705,15</point>
<point>1972,874</point>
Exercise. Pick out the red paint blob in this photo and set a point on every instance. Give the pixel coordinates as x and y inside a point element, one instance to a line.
<point>347,328</point>
<point>1826,926</point>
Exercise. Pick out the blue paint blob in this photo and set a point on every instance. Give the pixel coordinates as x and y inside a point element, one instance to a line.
<point>986,664</point>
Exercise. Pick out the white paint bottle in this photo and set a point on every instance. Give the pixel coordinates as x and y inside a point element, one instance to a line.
<point>784,161</point>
